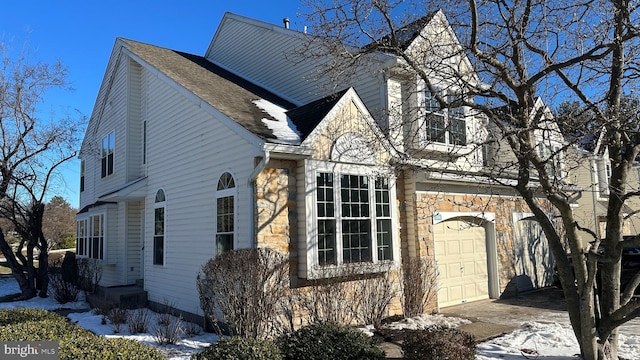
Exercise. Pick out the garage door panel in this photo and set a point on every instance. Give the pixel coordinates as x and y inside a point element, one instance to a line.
<point>461,258</point>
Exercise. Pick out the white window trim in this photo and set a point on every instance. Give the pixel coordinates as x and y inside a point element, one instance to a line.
<point>224,193</point>
<point>157,205</point>
<point>602,166</point>
<point>313,269</point>
<point>446,146</point>
<point>113,170</point>
<point>89,231</point>
<point>553,147</point>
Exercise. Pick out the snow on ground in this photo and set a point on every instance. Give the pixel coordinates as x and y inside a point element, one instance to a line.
<point>553,340</point>
<point>182,350</point>
<point>538,340</point>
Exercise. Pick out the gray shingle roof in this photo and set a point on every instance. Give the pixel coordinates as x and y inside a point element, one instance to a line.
<point>225,91</point>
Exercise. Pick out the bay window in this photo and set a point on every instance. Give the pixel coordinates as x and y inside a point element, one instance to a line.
<point>353,217</point>
<point>90,236</point>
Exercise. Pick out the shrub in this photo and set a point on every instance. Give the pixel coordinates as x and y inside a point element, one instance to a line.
<point>138,321</point>
<point>75,342</point>
<point>89,273</point>
<point>117,317</point>
<point>20,315</point>
<point>244,289</point>
<point>241,348</point>
<point>168,329</point>
<point>191,329</point>
<point>438,343</point>
<point>329,341</point>
<point>419,285</point>
<point>63,291</point>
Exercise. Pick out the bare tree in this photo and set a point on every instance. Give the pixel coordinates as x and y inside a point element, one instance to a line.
<point>502,61</point>
<point>31,151</point>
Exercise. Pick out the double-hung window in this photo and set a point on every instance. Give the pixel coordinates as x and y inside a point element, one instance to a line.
<point>108,145</point>
<point>552,156</point>
<point>90,236</point>
<point>353,218</point>
<point>445,126</point>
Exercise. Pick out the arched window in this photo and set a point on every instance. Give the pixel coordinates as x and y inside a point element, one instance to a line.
<point>159,228</point>
<point>225,213</point>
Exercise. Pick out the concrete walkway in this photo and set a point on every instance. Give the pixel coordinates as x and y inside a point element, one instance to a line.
<point>493,318</point>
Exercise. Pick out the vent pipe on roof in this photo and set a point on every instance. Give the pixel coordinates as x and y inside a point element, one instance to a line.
<point>286,23</point>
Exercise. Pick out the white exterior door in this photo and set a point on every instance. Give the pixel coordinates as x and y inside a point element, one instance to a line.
<point>461,257</point>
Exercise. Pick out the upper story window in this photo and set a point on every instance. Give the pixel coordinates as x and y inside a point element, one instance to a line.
<point>603,171</point>
<point>82,172</point>
<point>108,145</point>
<point>144,142</point>
<point>551,153</point>
<point>445,126</point>
<point>225,213</point>
<point>159,219</point>
<point>353,218</point>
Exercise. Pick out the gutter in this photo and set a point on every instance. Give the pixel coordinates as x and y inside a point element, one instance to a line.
<point>594,195</point>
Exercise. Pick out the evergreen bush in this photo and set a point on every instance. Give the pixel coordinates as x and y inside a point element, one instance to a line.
<point>329,341</point>
<point>438,343</point>
<point>241,348</point>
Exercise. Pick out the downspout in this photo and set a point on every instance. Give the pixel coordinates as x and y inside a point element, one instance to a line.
<point>252,194</point>
<point>594,195</point>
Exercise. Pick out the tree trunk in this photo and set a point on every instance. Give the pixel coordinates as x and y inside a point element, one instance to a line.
<point>26,288</point>
<point>43,267</point>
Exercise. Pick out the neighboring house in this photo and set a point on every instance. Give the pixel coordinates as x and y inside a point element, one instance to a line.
<point>592,176</point>
<point>187,156</point>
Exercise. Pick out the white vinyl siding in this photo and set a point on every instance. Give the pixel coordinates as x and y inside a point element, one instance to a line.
<point>135,117</point>
<point>112,119</point>
<point>276,48</point>
<point>133,241</point>
<point>189,174</point>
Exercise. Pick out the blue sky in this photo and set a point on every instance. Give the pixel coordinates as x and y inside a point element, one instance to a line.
<point>81,34</point>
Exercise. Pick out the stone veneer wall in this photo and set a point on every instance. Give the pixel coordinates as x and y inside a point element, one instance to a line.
<point>276,207</point>
<point>276,220</point>
<point>426,204</point>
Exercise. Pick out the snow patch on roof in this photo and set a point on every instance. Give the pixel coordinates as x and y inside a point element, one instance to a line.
<point>283,129</point>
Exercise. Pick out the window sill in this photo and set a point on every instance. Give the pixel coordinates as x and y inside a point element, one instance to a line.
<point>348,270</point>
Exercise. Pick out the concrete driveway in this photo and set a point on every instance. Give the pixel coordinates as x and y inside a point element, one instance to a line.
<point>491,318</point>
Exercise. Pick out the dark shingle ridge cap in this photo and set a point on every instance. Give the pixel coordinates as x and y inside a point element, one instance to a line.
<point>404,36</point>
<point>308,116</point>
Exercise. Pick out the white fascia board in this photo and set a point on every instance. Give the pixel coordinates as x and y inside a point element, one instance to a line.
<point>350,95</point>
<point>288,151</point>
<point>228,16</point>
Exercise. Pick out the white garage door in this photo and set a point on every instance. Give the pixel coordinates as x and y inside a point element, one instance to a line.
<point>461,256</point>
